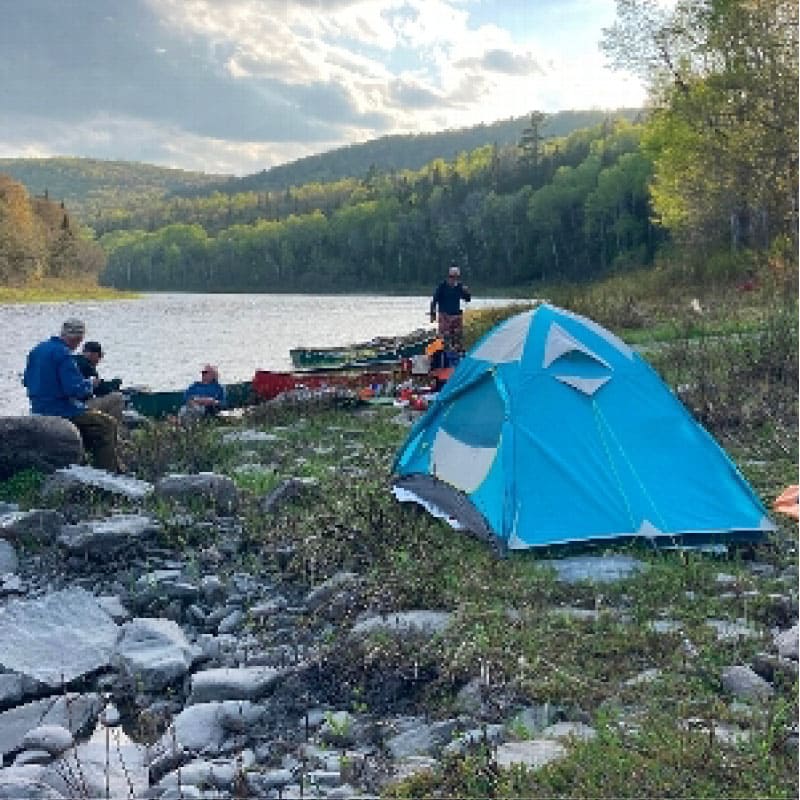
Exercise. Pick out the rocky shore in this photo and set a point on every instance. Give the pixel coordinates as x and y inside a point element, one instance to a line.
<point>193,636</point>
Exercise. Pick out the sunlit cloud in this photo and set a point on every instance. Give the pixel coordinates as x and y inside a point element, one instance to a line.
<point>241,85</point>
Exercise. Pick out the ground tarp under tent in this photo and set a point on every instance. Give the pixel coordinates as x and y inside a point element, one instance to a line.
<point>552,430</point>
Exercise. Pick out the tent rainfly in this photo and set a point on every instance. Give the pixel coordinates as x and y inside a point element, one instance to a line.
<point>552,430</point>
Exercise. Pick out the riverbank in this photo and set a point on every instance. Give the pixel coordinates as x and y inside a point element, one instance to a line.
<point>324,639</point>
<point>57,291</point>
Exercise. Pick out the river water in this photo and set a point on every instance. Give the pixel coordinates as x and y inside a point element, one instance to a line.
<point>162,340</point>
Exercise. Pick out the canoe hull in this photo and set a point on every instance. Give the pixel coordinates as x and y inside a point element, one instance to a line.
<point>268,384</point>
<point>162,404</point>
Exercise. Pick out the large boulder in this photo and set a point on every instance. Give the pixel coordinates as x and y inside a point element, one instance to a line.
<point>56,638</point>
<point>153,652</point>
<point>42,443</point>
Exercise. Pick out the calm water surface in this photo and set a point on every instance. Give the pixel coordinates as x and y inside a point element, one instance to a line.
<point>162,340</point>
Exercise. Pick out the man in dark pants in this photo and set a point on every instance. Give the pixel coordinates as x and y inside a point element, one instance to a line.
<point>56,388</point>
<point>447,298</point>
<point>106,395</point>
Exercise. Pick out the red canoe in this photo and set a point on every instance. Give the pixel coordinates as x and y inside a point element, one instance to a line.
<point>268,384</point>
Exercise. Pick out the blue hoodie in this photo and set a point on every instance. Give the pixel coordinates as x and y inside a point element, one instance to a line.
<point>54,383</point>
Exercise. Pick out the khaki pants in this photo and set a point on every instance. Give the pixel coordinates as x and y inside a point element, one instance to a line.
<point>112,404</point>
<point>99,433</point>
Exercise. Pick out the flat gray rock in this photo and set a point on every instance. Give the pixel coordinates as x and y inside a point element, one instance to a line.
<point>153,652</point>
<point>569,730</point>
<point>728,630</point>
<point>421,740</point>
<point>27,782</point>
<point>77,476</point>
<point>92,772</point>
<point>532,754</point>
<point>74,712</point>
<point>325,591</point>
<point>786,643</point>
<point>249,437</point>
<point>420,622</point>
<point>200,730</point>
<point>56,638</point>
<point>11,689</point>
<point>744,684</point>
<point>37,525</point>
<point>596,569</point>
<point>166,583</point>
<point>240,683</point>
<point>286,492</point>
<point>105,537</point>
<point>9,563</point>
<point>53,739</point>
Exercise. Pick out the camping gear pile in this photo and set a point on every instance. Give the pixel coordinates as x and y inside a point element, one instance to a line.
<point>375,352</point>
<point>553,430</point>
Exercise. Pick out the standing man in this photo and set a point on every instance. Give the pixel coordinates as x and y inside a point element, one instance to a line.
<point>448,296</point>
<point>56,388</point>
<point>106,395</point>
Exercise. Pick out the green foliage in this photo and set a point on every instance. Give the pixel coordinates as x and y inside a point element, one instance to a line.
<point>22,488</point>
<point>656,759</point>
<point>724,132</point>
<point>91,187</point>
<point>582,210</point>
<point>39,240</point>
<point>166,446</point>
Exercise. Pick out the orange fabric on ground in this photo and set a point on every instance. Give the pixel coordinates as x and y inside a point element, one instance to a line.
<point>787,502</point>
<point>434,347</point>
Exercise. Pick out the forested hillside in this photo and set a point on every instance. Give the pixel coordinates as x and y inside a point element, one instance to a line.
<point>90,186</point>
<point>39,239</point>
<point>544,209</point>
<point>412,151</point>
<point>108,195</point>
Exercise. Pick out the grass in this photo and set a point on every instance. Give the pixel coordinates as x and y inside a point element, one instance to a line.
<point>735,367</point>
<point>52,290</point>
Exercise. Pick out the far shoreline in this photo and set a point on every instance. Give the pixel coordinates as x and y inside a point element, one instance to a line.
<point>61,292</point>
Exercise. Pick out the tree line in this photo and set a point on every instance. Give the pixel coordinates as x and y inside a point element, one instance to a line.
<point>712,169</point>
<point>566,208</point>
<point>723,133</point>
<point>39,239</point>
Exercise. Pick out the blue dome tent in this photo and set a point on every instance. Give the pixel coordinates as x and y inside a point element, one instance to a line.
<point>552,430</point>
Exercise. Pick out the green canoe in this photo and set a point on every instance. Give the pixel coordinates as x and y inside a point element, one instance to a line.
<point>162,404</point>
<point>383,350</point>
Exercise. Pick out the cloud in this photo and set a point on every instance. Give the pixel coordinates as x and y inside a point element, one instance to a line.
<point>166,80</point>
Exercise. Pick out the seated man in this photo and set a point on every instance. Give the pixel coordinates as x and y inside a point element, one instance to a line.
<point>106,395</point>
<point>204,397</point>
<point>56,388</point>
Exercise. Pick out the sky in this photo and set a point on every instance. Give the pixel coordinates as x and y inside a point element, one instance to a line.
<point>237,86</point>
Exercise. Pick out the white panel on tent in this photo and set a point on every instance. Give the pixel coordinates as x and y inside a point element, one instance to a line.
<point>609,337</point>
<point>586,385</point>
<point>507,343</point>
<point>560,342</point>
<point>459,464</point>
<point>648,530</point>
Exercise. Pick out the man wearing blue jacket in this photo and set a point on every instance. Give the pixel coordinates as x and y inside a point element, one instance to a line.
<point>56,388</point>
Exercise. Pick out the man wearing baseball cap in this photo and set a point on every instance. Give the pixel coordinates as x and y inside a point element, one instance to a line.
<point>447,297</point>
<point>56,388</point>
<point>106,395</point>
